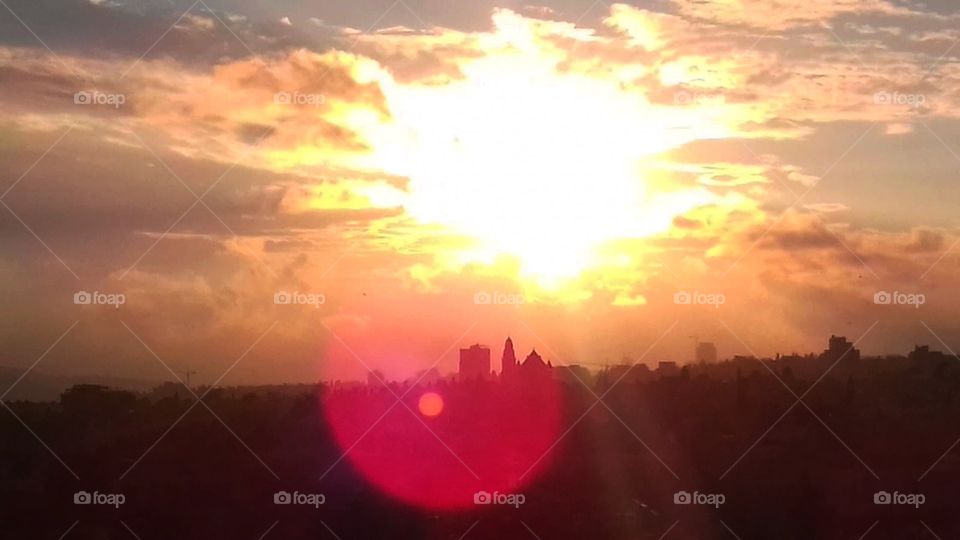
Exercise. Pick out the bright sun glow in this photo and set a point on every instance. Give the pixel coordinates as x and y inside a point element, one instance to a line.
<point>533,162</point>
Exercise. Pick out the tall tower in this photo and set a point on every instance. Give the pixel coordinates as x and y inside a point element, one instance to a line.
<point>508,362</point>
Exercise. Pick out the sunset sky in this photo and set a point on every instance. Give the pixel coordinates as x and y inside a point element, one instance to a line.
<point>577,163</point>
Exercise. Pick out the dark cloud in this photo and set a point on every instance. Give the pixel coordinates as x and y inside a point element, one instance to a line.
<point>84,28</point>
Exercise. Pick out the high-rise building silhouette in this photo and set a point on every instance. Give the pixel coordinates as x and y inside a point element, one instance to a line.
<point>508,362</point>
<point>475,362</point>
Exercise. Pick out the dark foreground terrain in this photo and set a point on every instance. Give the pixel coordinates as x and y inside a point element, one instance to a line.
<point>733,434</point>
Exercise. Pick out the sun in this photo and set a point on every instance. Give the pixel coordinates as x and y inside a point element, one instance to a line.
<point>527,160</point>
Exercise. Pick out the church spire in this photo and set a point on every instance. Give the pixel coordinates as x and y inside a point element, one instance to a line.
<point>508,363</point>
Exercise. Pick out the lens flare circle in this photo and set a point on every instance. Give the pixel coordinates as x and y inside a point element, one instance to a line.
<point>430,404</point>
<point>440,446</point>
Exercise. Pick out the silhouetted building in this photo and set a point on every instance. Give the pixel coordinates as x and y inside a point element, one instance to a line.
<point>572,374</point>
<point>922,353</point>
<point>803,366</point>
<point>534,368</point>
<point>629,373</point>
<point>475,362</point>
<point>508,362</point>
<point>706,353</point>
<point>533,361</point>
<point>839,348</point>
<point>668,369</point>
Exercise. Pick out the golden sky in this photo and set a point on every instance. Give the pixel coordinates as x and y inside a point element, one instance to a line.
<point>583,167</point>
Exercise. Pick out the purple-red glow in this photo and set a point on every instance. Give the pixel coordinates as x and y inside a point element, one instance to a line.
<point>436,449</point>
